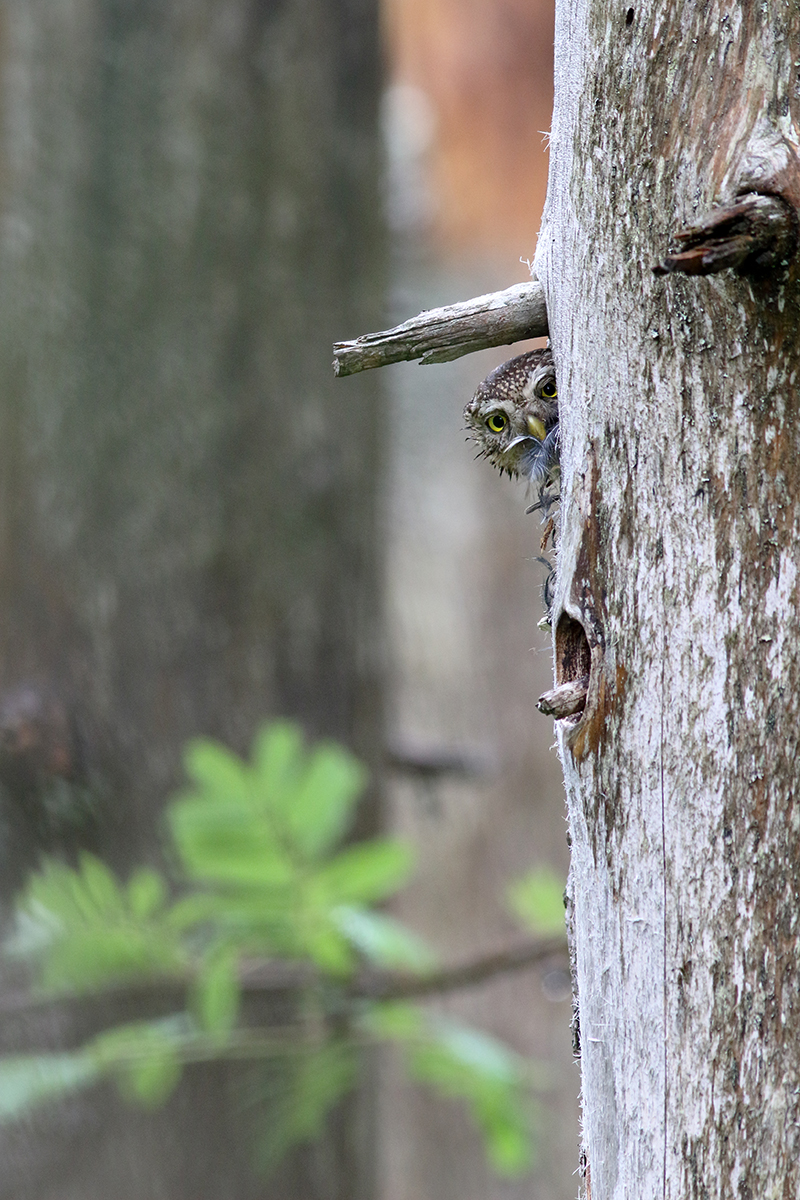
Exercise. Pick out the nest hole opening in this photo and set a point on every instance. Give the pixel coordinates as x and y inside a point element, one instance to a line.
<point>573,653</point>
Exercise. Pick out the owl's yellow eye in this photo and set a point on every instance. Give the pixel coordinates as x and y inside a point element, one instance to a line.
<point>549,390</point>
<point>497,422</point>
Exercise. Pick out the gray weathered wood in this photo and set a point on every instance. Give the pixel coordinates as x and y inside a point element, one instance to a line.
<point>678,582</point>
<point>442,334</point>
<point>564,700</point>
<point>752,235</point>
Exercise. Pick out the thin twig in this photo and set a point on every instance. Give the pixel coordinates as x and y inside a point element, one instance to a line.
<point>265,978</point>
<point>442,334</point>
<point>385,985</point>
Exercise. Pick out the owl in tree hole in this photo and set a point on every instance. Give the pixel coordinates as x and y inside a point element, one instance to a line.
<point>513,419</point>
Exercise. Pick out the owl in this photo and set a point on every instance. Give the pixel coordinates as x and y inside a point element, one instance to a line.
<point>513,419</point>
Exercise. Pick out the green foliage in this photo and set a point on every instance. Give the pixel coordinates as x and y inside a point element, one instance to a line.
<point>144,1057</point>
<point>464,1064</point>
<point>298,1091</point>
<point>260,873</point>
<point>83,929</point>
<point>538,900</point>
<point>27,1080</point>
<point>259,839</point>
<point>383,941</point>
<point>215,994</point>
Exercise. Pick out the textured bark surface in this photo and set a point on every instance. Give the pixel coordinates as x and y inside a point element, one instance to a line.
<point>442,334</point>
<point>678,585</point>
<point>190,194</point>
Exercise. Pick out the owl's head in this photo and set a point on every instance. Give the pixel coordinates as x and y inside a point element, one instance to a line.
<point>513,417</point>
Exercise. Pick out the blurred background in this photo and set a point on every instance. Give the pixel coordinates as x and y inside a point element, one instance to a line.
<point>465,113</point>
<point>201,527</point>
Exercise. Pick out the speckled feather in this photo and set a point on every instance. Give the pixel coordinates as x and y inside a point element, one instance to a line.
<point>514,424</point>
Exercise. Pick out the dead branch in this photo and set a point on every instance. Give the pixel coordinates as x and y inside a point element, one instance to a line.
<point>442,334</point>
<point>754,234</point>
<point>564,700</point>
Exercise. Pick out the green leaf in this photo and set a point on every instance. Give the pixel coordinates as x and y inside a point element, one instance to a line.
<point>228,843</point>
<point>310,794</point>
<point>467,1065</point>
<point>34,930</point>
<point>26,1081</point>
<point>477,1052</point>
<point>150,1081</point>
<point>395,1020</point>
<point>95,890</point>
<point>327,949</point>
<point>85,961</point>
<point>296,1096</point>
<point>219,774</point>
<point>82,930</point>
<point>216,993</point>
<point>278,762</point>
<point>147,893</point>
<point>364,873</point>
<point>383,940</point>
<point>196,908</point>
<point>323,804</point>
<point>144,1057</point>
<point>538,900</point>
<point>259,922</point>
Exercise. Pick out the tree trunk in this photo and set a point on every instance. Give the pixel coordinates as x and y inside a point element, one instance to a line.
<point>187,538</point>
<point>678,584</point>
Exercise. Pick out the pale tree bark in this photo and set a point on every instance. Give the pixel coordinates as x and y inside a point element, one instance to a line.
<point>678,583</point>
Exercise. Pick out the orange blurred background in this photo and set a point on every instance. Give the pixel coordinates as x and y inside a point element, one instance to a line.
<point>485,67</point>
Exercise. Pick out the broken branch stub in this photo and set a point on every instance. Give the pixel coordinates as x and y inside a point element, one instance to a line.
<point>565,700</point>
<point>754,234</point>
<point>442,334</point>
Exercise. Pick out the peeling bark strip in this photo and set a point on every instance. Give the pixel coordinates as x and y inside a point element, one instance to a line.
<point>680,527</point>
<point>442,334</point>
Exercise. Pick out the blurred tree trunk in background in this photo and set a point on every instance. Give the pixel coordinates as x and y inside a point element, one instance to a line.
<point>187,517</point>
<point>473,91</point>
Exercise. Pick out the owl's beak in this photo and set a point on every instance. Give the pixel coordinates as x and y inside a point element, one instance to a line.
<point>536,427</point>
